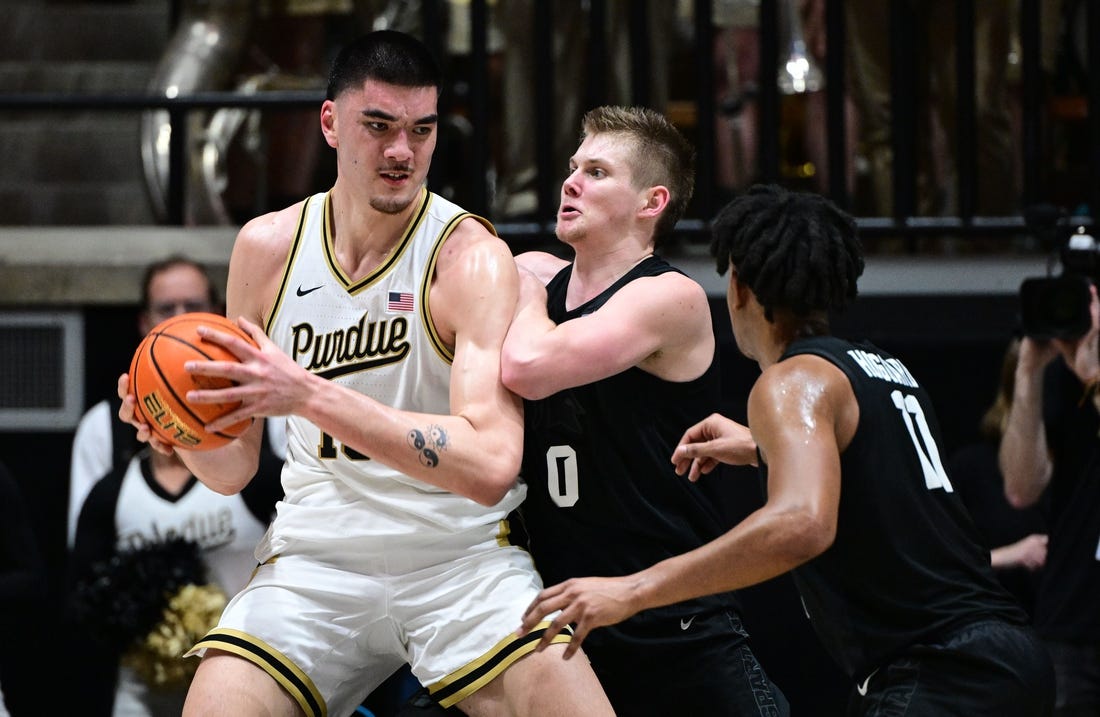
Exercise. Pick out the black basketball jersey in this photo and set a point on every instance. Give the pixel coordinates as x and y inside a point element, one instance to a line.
<point>603,498</point>
<point>907,564</point>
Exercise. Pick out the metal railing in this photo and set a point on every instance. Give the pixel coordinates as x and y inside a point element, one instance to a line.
<point>904,222</point>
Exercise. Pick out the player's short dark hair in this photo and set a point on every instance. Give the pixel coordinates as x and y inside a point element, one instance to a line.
<point>795,250</point>
<point>387,56</point>
<point>662,155</point>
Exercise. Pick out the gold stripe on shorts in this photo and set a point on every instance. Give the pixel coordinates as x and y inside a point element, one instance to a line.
<point>271,661</point>
<point>462,683</point>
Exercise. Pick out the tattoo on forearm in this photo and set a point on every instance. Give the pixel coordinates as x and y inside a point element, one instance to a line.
<point>428,444</point>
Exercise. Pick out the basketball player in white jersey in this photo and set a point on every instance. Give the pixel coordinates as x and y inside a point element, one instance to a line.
<point>386,307</point>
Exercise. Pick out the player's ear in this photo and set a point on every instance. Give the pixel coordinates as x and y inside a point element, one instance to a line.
<point>738,292</point>
<point>656,199</point>
<point>328,122</point>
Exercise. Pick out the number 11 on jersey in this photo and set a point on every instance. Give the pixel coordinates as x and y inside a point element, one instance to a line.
<point>934,474</point>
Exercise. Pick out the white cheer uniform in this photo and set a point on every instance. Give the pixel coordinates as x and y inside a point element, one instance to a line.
<point>129,510</point>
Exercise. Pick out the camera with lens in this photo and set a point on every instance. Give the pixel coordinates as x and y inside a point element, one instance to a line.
<point>1057,307</point>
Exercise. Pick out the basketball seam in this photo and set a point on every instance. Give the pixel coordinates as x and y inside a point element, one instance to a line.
<point>180,400</point>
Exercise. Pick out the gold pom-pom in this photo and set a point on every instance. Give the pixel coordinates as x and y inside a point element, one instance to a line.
<point>191,613</point>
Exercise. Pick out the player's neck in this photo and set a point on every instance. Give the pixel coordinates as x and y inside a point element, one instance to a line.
<point>362,236</point>
<point>785,329</point>
<point>596,268</point>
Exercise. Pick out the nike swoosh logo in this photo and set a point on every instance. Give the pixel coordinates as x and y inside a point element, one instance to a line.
<point>862,688</point>
<point>685,624</point>
<point>303,292</point>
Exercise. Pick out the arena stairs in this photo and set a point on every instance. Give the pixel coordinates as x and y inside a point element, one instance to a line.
<point>66,167</point>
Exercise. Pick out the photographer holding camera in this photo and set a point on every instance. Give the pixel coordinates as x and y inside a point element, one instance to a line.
<point>1051,443</point>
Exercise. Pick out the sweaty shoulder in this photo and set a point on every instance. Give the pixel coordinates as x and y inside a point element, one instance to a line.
<point>802,373</point>
<point>805,390</point>
<point>471,246</point>
<point>475,279</point>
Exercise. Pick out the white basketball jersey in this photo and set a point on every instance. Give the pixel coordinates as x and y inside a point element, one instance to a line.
<point>375,336</point>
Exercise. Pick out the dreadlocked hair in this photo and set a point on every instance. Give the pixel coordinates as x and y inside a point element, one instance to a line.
<point>795,250</point>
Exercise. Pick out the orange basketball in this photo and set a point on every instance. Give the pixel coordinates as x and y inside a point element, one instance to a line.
<point>160,383</point>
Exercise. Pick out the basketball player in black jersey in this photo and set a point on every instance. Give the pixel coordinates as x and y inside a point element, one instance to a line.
<point>858,503</point>
<point>615,352</point>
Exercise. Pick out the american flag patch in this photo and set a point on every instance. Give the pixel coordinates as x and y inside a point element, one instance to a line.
<point>400,301</point>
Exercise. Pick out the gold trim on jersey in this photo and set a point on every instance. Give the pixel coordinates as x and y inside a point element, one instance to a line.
<point>294,245</point>
<point>391,259</point>
<point>504,530</point>
<point>467,680</point>
<point>445,352</point>
<point>271,661</point>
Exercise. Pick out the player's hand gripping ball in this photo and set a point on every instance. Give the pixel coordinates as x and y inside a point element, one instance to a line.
<point>160,383</point>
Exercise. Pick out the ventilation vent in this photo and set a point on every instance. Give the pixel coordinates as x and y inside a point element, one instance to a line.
<point>41,370</point>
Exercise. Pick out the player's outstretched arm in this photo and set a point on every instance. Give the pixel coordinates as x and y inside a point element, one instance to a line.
<point>716,439</point>
<point>660,324</point>
<point>797,415</point>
